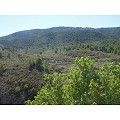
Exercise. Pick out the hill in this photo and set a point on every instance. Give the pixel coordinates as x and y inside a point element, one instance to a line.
<point>58,35</point>
<point>27,56</point>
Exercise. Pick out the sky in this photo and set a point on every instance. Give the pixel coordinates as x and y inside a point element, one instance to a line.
<point>13,23</point>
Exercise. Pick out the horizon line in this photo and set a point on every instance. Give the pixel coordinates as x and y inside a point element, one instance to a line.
<point>58,27</point>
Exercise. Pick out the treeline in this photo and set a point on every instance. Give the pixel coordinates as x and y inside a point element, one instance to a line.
<point>104,46</point>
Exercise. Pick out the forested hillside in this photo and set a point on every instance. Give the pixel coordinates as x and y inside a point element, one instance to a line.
<point>60,65</point>
<point>59,35</point>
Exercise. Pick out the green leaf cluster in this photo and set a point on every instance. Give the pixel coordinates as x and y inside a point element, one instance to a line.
<point>36,64</point>
<point>84,84</point>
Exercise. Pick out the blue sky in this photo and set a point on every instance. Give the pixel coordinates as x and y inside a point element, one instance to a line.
<point>13,23</point>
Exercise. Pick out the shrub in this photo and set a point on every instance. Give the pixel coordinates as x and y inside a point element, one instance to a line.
<point>0,55</point>
<point>36,64</point>
<point>39,64</point>
<point>46,64</point>
<point>84,84</point>
<point>31,65</point>
<point>17,89</point>
<point>25,86</point>
<point>8,55</point>
<point>2,69</point>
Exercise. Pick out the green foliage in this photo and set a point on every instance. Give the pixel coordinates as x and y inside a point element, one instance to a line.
<point>2,69</point>
<point>25,89</point>
<point>36,64</point>
<point>53,92</point>
<point>46,64</point>
<point>61,35</point>
<point>56,50</point>
<point>107,46</point>
<point>8,55</point>
<point>39,62</point>
<point>81,76</point>
<point>31,64</point>
<point>84,84</point>
<point>109,75</point>
<point>25,86</point>
<point>0,55</point>
<point>17,89</point>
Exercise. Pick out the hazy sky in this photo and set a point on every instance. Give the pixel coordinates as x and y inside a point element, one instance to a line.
<point>10,24</point>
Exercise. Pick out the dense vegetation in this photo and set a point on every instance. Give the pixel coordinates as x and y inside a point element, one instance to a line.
<point>84,84</point>
<point>35,65</point>
<point>59,36</point>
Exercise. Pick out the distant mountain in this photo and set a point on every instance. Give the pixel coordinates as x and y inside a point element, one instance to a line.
<point>55,35</point>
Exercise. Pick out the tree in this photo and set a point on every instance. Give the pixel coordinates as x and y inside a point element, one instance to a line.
<point>0,55</point>
<point>8,55</point>
<point>31,64</point>
<point>2,69</point>
<point>39,65</point>
<point>84,84</point>
<point>56,50</point>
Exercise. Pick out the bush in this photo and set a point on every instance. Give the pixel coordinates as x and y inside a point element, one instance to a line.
<point>31,65</point>
<point>2,69</point>
<point>39,64</point>
<point>17,89</point>
<point>26,86</point>
<point>36,64</point>
<point>0,55</point>
<point>84,84</point>
<point>46,64</point>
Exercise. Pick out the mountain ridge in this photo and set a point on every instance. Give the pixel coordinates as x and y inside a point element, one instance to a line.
<point>60,28</point>
<point>57,35</point>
